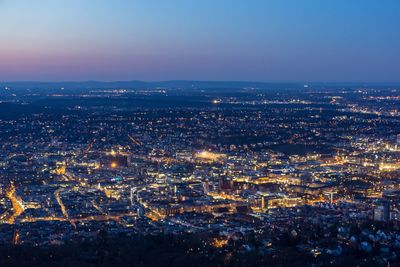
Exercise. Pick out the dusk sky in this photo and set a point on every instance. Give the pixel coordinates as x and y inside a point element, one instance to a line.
<point>251,40</point>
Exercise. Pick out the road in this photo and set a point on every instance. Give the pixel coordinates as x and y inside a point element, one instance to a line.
<point>18,208</point>
<point>62,207</point>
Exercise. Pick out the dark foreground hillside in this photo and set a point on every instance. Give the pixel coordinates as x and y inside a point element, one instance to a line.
<point>165,250</point>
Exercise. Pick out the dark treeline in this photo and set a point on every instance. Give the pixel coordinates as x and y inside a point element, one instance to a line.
<point>162,250</point>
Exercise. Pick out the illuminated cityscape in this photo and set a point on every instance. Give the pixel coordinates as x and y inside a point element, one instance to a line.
<point>154,133</point>
<point>317,166</point>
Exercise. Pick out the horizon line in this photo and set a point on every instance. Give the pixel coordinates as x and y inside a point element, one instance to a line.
<point>200,81</point>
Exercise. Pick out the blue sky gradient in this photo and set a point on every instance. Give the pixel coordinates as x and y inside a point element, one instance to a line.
<point>258,40</point>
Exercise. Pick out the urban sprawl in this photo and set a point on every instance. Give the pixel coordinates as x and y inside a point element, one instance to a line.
<point>312,165</point>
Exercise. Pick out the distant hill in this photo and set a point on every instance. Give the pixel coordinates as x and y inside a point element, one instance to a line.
<point>142,84</point>
<point>180,84</point>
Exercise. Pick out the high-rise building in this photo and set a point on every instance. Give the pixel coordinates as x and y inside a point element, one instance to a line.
<point>382,212</point>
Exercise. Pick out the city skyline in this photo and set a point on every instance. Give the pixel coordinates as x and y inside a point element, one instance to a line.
<point>199,133</point>
<point>287,41</point>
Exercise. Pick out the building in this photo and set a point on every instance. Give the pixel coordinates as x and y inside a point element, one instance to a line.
<point>382,212</point>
